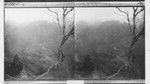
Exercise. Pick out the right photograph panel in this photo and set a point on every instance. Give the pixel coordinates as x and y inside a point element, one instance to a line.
<point>110,43</point>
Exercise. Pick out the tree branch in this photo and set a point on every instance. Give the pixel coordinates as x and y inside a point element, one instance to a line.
<point>116,73</point>
<point>128,18</point>
<point>57,17</point>
<point>10,77</point>
<point>52,67</point>
<point>135,9</point>
<point>67,36</point>
<point>71,9</point>
<point>64,20</point>
<point>66,11</point>
<point>142,9</point>
<point>138,35</point>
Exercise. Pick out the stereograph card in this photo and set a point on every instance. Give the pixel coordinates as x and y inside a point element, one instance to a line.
<point>74,41</point>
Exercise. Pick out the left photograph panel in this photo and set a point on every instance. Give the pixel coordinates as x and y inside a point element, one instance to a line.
<point>39,44</point>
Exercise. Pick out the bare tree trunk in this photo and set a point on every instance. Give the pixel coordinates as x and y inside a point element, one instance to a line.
<point>133,36</point>
<point>65,37</point>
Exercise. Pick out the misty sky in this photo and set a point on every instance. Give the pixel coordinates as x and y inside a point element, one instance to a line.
<point>98,14</point>
<point>27,15</point>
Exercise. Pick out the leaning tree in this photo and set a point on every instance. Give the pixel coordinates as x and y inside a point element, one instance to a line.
<point>136,28</point>
<point>66,29</point>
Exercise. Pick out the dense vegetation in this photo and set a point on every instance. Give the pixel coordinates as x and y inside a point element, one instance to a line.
<point>106,47</point>
<point>96,51</point>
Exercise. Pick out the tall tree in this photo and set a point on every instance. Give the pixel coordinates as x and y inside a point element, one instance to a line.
<point>62,25</point>
<point>135,30</point>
